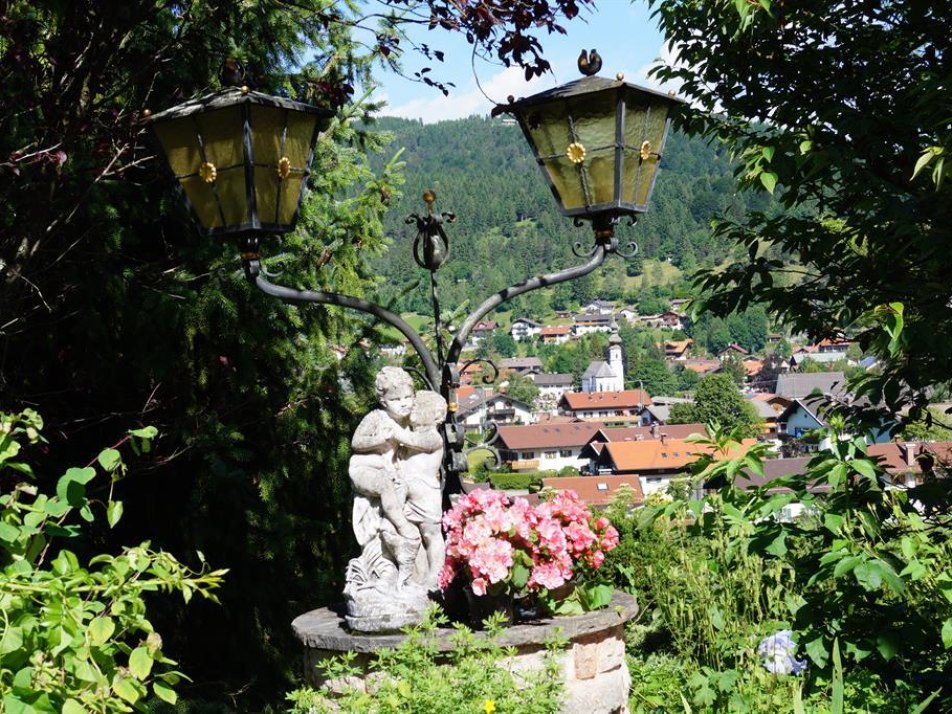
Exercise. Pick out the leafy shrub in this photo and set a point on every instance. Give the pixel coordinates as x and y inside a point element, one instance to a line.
<point>75,635</point>
<point>415,677</point>
<point>531,480</point>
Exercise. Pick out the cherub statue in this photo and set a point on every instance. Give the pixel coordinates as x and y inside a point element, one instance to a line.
<point>380,589</point>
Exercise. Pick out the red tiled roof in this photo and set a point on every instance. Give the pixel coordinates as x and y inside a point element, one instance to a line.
<point>641,433</point>
<point>606,400</point>
<point>539,436</point>
<point>661,455</point>
<point>555,330</point>
<point>701,366</point>
<point>597,490</point>
<point>894,456</point>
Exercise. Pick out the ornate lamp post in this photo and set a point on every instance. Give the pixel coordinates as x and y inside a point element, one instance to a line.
<point>241,160</point>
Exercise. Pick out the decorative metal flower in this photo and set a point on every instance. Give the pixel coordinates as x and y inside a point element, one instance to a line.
<point>207,172</point>
<point>575,152</point>
<point>645,150</point>
<point>284,168</point>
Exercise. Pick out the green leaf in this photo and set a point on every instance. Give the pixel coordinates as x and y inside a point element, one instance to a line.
<point>140,662</point>
<point>947,633</point>
<point>8,532</point>
<point>164,692</point>
<point>109,459</point>
<point>146,432</point>
<point>769,180</point>
<point>71,706</point>
<point>816,651</point>
<point>778,546</point>
<point>100,630</point>
<point>11,640</point>
<point>887,644</point>
<point>83,475</point>
<point>113,513</point>
<point>127,688</point>
<point>836,702</point>
<point>865,468</point>
<point>768,153</point>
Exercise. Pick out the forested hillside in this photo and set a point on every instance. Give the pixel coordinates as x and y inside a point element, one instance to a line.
<point>509,226</point>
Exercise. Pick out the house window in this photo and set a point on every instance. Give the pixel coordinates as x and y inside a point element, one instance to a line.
<point>653,479</point>
<point>528,454</point>
<point>601,486</point>
<point>566,453</point>
<point>550,454</point>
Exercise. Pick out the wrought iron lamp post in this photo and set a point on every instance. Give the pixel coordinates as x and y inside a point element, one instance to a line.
<point>241,160</point>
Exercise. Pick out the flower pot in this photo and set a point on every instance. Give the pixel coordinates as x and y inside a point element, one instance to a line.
<point>482,606</point>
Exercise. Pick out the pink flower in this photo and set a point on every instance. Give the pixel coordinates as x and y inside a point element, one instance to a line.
<point>479,586</point>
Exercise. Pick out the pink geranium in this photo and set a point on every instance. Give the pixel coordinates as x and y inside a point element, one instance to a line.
<point>505,544</point>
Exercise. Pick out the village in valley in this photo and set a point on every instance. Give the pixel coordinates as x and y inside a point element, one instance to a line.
<point>602,433</point>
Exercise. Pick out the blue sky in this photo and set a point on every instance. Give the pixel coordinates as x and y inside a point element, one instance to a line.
<point>622,32</point>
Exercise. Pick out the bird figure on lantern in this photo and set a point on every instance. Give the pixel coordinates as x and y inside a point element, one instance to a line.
<point>589,63</point>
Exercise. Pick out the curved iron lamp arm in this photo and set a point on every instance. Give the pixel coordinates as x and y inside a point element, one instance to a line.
<point>256,275</point>
<point>603,247</point>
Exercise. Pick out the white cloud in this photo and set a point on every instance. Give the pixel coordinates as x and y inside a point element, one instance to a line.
<point>464,103</point>
<point>510,81</point>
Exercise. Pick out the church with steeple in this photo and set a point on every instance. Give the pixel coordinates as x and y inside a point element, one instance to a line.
<point>607,375</point>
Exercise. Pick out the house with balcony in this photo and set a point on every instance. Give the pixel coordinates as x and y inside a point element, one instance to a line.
<point>618,407</point>
<point>523,328</point>
<point>555,334</point>
<point>545,447</point>
<point>484,406</point>
<point>587,323</point>
<point>552,386</point>
<point>481,330</point>
<point>521,365</point>
<point>677,350</point>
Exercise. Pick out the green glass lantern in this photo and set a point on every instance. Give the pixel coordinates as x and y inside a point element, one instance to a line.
<point>241,158</point>
<point>598,142</point>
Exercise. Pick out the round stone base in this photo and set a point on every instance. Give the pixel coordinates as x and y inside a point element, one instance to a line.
<point>593,664</point>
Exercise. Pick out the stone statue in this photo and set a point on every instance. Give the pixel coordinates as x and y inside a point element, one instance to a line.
<point>395,473</point>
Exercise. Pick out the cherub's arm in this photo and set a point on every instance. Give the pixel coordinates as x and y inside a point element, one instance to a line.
<point>428,440</point>
<point>374,431</point>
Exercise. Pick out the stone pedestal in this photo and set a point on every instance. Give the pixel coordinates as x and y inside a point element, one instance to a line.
<point>593,664</point>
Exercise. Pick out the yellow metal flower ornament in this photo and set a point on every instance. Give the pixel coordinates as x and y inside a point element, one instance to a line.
<point>284,168</point>
<point>645,150</point>
<point>207,172</point>
<point>575,152</point>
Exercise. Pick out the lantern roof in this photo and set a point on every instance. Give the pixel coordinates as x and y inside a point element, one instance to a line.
<point>586,85</point>
<point>230,96</point>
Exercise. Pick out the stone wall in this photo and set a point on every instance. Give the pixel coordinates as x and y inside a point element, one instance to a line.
<point>593,664</point>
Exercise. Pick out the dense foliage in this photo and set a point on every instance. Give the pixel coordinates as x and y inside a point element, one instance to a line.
<point>76,636</point>
<point>833,108</point>
<point>114,312</point>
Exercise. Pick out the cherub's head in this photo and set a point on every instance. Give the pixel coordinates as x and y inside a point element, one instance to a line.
<point>395,392</point>
<point>429,409</point>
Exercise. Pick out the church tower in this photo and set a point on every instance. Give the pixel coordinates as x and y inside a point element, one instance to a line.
<point>616,360</point>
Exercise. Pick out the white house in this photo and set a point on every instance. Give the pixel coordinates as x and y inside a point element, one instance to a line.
<point>523,329</point>
<point>585,324</point>
<point>545,447</point>
<point>552,385</point>
<point>599,307</point>
<point>484,406</point>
